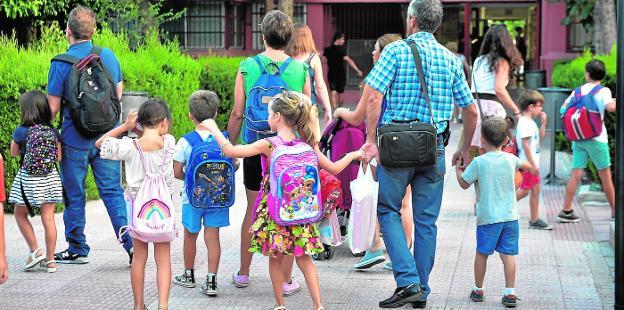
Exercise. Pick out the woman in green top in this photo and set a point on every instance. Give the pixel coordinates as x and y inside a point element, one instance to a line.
<point>276,33</point>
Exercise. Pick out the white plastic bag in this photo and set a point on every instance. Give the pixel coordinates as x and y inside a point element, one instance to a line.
<point>329,230</point>
<point>363,215</point>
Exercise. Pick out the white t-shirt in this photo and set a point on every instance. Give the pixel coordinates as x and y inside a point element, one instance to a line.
<point>602,98</point>
<point>483,77</point>
<point>182,155</point>
<point>527,128</point>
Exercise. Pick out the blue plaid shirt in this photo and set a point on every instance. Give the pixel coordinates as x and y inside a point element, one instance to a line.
<point>395,75</point>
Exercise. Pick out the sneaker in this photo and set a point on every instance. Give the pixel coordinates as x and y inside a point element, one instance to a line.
<point>68,258</point>
<point>239,280</point>
<point>291,288</point>
<point>185,280</point>
<point>568,218</point>
<point>476,296</point>
<point>388,266</point>
<point>540,224</point>
<point>210,287</point>
<point>370,259</point>
<point>510,301</point>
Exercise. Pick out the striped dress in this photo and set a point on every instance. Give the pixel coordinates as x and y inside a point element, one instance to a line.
<point>37,189</point>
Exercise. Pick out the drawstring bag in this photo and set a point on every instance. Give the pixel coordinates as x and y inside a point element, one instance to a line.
<point>330,230</point>
<point>363,217</point>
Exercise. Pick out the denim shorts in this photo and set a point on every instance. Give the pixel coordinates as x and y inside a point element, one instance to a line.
<point>502,237</point>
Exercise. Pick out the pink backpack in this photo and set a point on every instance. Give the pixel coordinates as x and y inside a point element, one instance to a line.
<point>581,118</point>
<point>152,213</point>
<point>295,196</point>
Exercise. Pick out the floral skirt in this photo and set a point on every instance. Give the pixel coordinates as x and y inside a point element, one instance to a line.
<point>270,239</point>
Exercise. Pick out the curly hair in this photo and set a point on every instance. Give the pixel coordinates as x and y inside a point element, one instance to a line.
<point>497,45</point>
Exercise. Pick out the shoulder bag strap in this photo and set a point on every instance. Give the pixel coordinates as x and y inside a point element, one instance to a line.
<point>421,77</point>
<point>309,60</point>
<point>474,82</point>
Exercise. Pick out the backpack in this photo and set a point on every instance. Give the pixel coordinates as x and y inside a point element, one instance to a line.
<point>256,107</point>
<point>295,195</point>
<point>92,101</point>
<point>209,175</point>
<point>511,147</point>
<point>152,213</point>
<point>41,150</point>
<point>582,119</point>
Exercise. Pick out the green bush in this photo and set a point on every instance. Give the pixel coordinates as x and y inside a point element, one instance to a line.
<point>571,74</point>
<point>157,68</point>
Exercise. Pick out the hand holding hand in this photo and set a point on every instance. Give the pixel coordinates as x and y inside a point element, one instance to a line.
<point>370,151</point>
<point>131,119</point>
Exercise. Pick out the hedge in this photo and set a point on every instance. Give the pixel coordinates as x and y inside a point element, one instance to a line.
<point>155,67</point>
<point>571,74</point>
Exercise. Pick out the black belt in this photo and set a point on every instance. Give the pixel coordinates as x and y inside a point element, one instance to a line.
<point>486,96</point>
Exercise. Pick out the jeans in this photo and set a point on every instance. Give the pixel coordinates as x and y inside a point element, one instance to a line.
<point>427,186</point>
<point>107,174</point>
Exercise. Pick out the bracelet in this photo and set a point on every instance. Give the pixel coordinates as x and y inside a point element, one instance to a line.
<point>224,144</point>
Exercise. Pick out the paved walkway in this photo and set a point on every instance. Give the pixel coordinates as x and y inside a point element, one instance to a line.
<point>566,268</point>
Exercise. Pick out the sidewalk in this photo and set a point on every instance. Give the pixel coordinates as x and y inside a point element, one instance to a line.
<point>567,268</point>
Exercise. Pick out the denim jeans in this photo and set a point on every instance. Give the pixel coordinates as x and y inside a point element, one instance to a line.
<point>107,173</point>
<point>427,186</point>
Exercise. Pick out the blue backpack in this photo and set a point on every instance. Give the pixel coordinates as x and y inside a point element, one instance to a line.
<point>256,125</point>
<point>209,175</point>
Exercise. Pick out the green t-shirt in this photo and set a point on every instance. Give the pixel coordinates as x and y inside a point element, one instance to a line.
<point>294,76</point>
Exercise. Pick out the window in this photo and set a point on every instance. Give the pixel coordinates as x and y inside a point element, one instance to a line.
<point>578,38</point>
<point>202,25</point>
<point>237,18</point>
<point>300,13</point>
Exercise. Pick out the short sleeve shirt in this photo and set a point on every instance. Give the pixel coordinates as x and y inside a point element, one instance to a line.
<point>602,98</point>
<point>335,61</point>
<point>58,85</point>
<point>294,75</point>
<point>493,173</point>
<point>395,75</point>
<point>527,128</point>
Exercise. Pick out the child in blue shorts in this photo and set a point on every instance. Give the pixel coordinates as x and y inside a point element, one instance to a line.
<point>497,215</point>
<point>202,106</point>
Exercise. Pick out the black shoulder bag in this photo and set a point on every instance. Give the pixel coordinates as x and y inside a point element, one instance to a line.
<point>412,143</point>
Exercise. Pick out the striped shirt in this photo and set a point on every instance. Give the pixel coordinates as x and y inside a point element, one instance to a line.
<point>395,76</point>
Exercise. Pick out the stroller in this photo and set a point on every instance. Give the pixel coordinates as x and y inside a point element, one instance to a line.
<point>338,139</point>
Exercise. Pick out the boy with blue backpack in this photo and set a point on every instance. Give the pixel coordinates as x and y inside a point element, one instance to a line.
<point>208,190</point>
<point>583,119</point>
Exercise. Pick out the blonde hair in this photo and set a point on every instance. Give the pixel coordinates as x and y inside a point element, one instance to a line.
<point>295,108</point>
<point>302,41</point>
<point>386,39</point>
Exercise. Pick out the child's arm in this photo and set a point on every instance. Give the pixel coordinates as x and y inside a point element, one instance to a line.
<point>458,172</point>
<point>234,151</point>
<point>610,107</point>
<point>178,170</point>
<point>542,131</point>
<point>526,166</point>
<point>336,167</point>
<point>118,131</point>
<point>15,149</point>
<point>59,152</point>
<point>526,147</point>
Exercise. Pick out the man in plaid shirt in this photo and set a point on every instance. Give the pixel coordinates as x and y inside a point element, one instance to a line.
<point>395,77</point>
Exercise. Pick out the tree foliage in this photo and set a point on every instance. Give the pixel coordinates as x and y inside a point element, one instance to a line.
<point>580,11</point>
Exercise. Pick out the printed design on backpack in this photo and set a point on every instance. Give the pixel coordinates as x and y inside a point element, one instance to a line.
<point>295,196</point>
<point>209,174</point>
<point>152,213</point>
<point>92,101</point>
<point>41,150</point>
<point>582,119</point>
<point>256,124</point>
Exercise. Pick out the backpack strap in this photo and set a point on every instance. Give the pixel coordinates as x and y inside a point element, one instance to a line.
<point>577,92</point>
<point>595,90</point>
<point>284,65</point>
<point>309,60</point>
<point>141,154</point>
<point>72,60</point>
<point>96,50</point>
<point>260,64</point>
<point>193,138</point>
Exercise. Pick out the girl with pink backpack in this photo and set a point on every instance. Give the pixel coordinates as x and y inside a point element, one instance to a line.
<point>289,207</point>
<point>149,177</point>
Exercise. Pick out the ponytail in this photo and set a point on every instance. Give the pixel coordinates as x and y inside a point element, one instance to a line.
<point>305,122</point>
<point>298,112</point>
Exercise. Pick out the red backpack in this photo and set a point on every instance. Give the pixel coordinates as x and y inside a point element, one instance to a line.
<point>581,118</point>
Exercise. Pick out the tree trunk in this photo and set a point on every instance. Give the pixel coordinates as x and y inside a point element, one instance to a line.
<point>286,6</point>
<point>269,5</point>
<point>605,34</point>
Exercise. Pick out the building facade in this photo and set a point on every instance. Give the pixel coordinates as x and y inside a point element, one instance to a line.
<point>231,27</point>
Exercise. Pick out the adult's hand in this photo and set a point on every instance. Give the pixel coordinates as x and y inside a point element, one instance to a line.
<point>328,117</point>
<point>370,151</point>
<point>461,158</point>
<point>340,112</point>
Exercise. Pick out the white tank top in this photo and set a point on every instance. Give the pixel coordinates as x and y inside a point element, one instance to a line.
<point>484,78</point>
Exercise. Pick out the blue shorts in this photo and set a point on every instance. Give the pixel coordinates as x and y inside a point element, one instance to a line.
<point>193,217</point>
<point>502,237</point>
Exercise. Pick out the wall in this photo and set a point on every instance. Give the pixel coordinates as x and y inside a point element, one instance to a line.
<point>554,36</point>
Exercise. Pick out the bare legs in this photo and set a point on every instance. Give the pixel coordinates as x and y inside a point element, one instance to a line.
<point>575,178</point>
<point>26,228</point>
<point>509,265</point>
<point>533,200</point>
<point>211,238</point>
<point>608,188</point>
<point>190,249</point>
<point>245,242</point>
<point>276,271</point>
<point>162,256</point>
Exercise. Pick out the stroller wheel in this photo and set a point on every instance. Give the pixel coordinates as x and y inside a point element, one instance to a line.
<point>318,256</point>
<point>329,253</point>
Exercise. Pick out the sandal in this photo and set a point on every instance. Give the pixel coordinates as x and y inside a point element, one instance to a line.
<point>278,308</point>
<point>33,260</point>
<point>144,308</point>
<point>45,266</point>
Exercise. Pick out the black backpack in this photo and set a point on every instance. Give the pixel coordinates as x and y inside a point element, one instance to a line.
<point>92,101</point>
